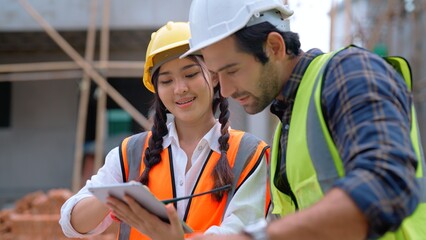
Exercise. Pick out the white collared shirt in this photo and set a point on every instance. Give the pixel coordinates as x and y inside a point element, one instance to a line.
<point>246,206</point>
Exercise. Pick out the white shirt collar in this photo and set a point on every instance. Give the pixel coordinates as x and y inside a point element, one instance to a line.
<point>211,137</point>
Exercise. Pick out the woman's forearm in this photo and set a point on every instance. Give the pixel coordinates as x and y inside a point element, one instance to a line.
<point>87,214</point>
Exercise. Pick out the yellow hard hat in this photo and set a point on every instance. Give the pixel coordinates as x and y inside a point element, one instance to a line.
<point>167,43</point>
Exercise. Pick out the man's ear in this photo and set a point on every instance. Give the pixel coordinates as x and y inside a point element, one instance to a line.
<point>275,45</point>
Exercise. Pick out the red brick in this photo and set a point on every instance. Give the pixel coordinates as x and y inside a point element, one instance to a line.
<point>5,221</point>
<point>36,227</point>
<point>57,198</point>
<point>36,217</point>
<point>24,204</point>
<point>41,205</point>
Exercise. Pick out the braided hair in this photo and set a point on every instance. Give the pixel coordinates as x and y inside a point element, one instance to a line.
<point>222,172</point>
<point>159,130</point>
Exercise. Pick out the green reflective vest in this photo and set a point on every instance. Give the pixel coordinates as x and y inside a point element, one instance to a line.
<point>318,163</point>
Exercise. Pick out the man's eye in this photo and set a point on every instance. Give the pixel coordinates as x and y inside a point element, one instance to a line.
<point>230,72</point>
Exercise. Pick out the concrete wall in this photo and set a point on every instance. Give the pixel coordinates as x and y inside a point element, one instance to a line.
<point>36,152</point>
<point>75,14</point>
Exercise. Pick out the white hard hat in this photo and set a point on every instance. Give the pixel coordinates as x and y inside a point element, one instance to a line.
<point>213,20</point>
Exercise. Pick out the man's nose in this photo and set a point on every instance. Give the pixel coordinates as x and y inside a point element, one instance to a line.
<point>226,87</point>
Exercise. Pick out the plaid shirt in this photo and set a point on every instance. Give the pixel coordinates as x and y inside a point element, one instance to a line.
<point>366,106</point>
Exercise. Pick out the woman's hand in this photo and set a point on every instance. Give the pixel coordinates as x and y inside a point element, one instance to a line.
<point>149,224</point>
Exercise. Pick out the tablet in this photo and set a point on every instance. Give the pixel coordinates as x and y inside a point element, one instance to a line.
<point>140,193</point>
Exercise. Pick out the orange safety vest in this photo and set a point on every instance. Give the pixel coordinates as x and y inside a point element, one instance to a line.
<point>244,155</point>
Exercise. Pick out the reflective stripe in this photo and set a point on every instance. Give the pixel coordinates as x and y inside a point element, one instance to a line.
<point>318,149</point>
<point>422,189</point>
<point>421,171</point>
<point>134,151</point>
<point>134,154</point>
<point>319,142</point>
<point>421,176</point>
<point>415,136</point>
<point>124,232</point>
<point>246,150</point>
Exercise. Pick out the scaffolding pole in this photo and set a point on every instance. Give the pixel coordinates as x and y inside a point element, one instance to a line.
<point>87,68</point>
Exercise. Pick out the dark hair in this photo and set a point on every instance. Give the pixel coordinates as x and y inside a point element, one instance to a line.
<point>222,173</point>
<point>251,40</point>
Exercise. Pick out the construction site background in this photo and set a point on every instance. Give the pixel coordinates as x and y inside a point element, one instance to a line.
<point>70,88</point>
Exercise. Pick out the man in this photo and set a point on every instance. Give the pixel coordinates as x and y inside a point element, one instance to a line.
<point>356,179</point>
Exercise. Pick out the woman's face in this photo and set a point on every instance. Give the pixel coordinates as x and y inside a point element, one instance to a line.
<point>184,90</point>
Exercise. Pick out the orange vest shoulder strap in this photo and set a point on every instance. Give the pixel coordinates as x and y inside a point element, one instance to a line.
<point>132,150</point>
<point>250,153</point>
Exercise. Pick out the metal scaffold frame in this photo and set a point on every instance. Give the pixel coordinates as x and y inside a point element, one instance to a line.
<point>88,70</point>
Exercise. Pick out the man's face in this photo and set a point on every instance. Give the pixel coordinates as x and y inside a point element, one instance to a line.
<point>241,76</point>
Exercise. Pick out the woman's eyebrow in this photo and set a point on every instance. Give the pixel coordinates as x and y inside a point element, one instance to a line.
<point>164,73</point>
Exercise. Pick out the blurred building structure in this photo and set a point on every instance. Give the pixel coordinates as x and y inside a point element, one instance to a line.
<point>70,77</point>
<point>387,27</point>
<point>70,82</point>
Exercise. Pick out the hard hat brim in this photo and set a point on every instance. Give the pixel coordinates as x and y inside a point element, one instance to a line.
<point>197,50</point>
<point>196,47</point>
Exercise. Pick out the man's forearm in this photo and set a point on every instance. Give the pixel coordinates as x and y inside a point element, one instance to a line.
<point>334,217</point>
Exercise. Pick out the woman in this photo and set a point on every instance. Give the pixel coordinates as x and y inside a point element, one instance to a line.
<point>192,154</point>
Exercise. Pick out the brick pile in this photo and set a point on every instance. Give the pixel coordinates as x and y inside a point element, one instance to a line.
<point>36,217</point>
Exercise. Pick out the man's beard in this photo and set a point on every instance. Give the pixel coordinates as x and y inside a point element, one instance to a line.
<point>268,87</point>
